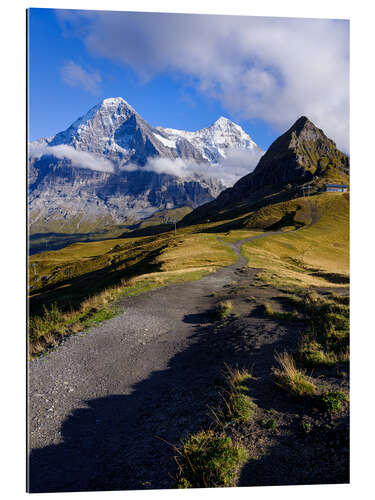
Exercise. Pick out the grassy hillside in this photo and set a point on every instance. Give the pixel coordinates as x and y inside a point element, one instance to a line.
<point>73,288</point>
<point>53,235</point>
<point>80,281</point>
<point>67,275</point>
<point>78,224</point>
<point>315,255</point>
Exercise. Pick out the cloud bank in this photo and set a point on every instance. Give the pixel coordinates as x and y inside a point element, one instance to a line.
<point>237,163</point>
<point>275,69</point>
<point>75,76</point>
<point>80,159</point>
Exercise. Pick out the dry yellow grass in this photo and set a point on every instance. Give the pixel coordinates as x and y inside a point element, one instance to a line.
<point>196,250</point>
<point>289,378</point>
<point>315,255</point>
<point>237,234</point>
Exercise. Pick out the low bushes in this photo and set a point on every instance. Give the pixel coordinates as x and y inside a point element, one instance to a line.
<point>331,402</point>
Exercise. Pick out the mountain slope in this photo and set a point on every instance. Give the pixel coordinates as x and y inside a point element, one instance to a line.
<point>302,155</point>
<point>100,168</point>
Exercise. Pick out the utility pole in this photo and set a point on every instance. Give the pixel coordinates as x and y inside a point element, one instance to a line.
<point>175,222</point>
<point>34,265</point>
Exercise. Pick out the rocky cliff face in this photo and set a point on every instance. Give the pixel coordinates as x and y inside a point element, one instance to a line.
<point>302,155</point>
<point>100,167</point>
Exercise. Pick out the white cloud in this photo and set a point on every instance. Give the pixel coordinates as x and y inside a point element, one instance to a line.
<point>75,76</point>
<point>276,69</point>
<point>237,164</point>
<point>81,159</point>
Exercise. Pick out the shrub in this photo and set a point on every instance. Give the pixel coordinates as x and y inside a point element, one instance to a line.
<point>289,378</point>
<point>306,426</point>
<point>224,308</point>
<point>209,460</point>
<point>269,424</point>
<point>330,402</point>
<point>41,325</point>
<point>239,406</point>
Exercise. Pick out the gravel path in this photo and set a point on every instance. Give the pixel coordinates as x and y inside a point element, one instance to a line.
<point>97,401</point>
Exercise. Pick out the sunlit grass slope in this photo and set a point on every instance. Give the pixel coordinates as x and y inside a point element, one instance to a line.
<point>95,264</point>
<point>315,255</point>
<point>74,287</point>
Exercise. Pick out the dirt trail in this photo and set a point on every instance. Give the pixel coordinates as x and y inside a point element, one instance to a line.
<point>97,402</point>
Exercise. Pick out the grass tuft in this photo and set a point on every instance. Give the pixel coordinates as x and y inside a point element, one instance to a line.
<point>209,460</point>
<point>238,405</point>
<point>269,424</point>
<point>283,315</point>
<point>289,378</point>
<point>223,308</point>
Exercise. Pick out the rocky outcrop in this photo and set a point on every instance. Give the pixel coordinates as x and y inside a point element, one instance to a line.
<point>303,154</point>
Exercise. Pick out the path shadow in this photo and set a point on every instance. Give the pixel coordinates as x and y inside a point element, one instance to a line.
<point>199,317</point>
<point>119,442</point>
<point>318,457</point>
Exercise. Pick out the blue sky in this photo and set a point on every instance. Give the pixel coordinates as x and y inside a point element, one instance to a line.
<point>184,71</point>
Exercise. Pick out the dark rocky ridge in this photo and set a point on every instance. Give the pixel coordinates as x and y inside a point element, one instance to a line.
<point>303,154</point>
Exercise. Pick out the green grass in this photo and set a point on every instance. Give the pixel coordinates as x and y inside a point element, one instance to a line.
<point>305,426</point>
<point>237,404</point>
<point>326,338</point>
<point>331,402</point>
<point>311,354</point>
<point>235,235</point>
<point>269,424</point>
<point>280,315</point>
<point>209,460</point>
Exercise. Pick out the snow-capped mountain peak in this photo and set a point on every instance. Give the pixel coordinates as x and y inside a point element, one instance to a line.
<point>95,130</point>
<point>110,162</point>
<point>215,141</point>
<point>222,121</point>
<point>114,129</point>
